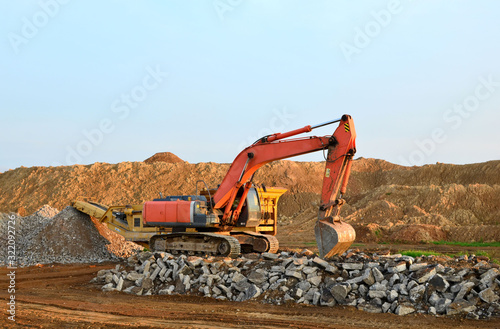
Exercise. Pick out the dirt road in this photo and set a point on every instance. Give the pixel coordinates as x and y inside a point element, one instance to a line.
<point>60,296</point>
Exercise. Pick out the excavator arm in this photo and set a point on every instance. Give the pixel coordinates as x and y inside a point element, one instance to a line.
<point>332,235</point>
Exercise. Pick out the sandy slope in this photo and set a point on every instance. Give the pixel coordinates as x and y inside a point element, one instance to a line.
<point>384,201</point>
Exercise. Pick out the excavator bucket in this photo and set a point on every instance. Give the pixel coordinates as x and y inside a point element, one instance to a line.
<point>333,238</point>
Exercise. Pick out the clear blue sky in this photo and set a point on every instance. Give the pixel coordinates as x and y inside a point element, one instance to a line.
<point>111,81</point>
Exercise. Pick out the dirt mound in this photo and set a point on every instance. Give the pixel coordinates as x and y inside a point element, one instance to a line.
<point>164,157</point>
<point>418,233</point>
<point>474,233</point>
<point>374,165</point>
<point>67,237</point>
<point>388,195</point>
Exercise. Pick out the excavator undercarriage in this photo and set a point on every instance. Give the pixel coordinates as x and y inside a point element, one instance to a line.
<point>196,243</point>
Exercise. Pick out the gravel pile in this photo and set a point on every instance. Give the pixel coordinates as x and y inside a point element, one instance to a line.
<point>466,286</point>
<point>49,236</point>
<point>26,229</point>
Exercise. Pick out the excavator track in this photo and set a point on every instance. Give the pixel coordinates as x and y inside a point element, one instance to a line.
<point>260,242</point>
<point>273,244</point>
<point>192,243</point>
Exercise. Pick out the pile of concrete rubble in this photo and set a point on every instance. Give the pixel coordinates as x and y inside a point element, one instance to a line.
<point>397,284</point>
<point>51,236</point>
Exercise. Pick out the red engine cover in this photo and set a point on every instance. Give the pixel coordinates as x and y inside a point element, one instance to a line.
<point>159,212</point>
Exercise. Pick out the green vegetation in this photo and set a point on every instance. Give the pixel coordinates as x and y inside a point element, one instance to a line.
<point>418,253</point>
<point>468,244</point>
<point>482,253</point>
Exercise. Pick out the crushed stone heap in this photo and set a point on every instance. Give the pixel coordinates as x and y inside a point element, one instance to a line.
<point>464,286</point>
<point>49,236</point>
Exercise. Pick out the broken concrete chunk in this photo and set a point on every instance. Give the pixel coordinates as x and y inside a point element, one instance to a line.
<point>315,280</point>
<point>404,309</point>
<point>399,267</point>
<point>425,274</point>
<point>464,290</point>
<point>352,266</point>
<point>269,256</point>
<point>377,274</point>
<point>155,273</point>
<point>376,294</point>
<point>438,283</point>
<point>392,296</point>
<point>258,276</point>
<point>488,296</point>
<point>194,261</point>
<point>460,306</point>
<point>340,291</point>
<point>417,267</point>
<point>294,274</point>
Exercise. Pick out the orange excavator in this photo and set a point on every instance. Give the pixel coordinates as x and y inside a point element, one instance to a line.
<point>237,215</point>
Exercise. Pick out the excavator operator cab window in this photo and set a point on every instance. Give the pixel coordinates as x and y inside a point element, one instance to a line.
<point>250,213</point>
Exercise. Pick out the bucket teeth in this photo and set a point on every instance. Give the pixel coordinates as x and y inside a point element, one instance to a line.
<point>333,238</point>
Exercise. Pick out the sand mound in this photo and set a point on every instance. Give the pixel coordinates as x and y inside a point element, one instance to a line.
<point>164,157</point>
<point>388,195</point>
